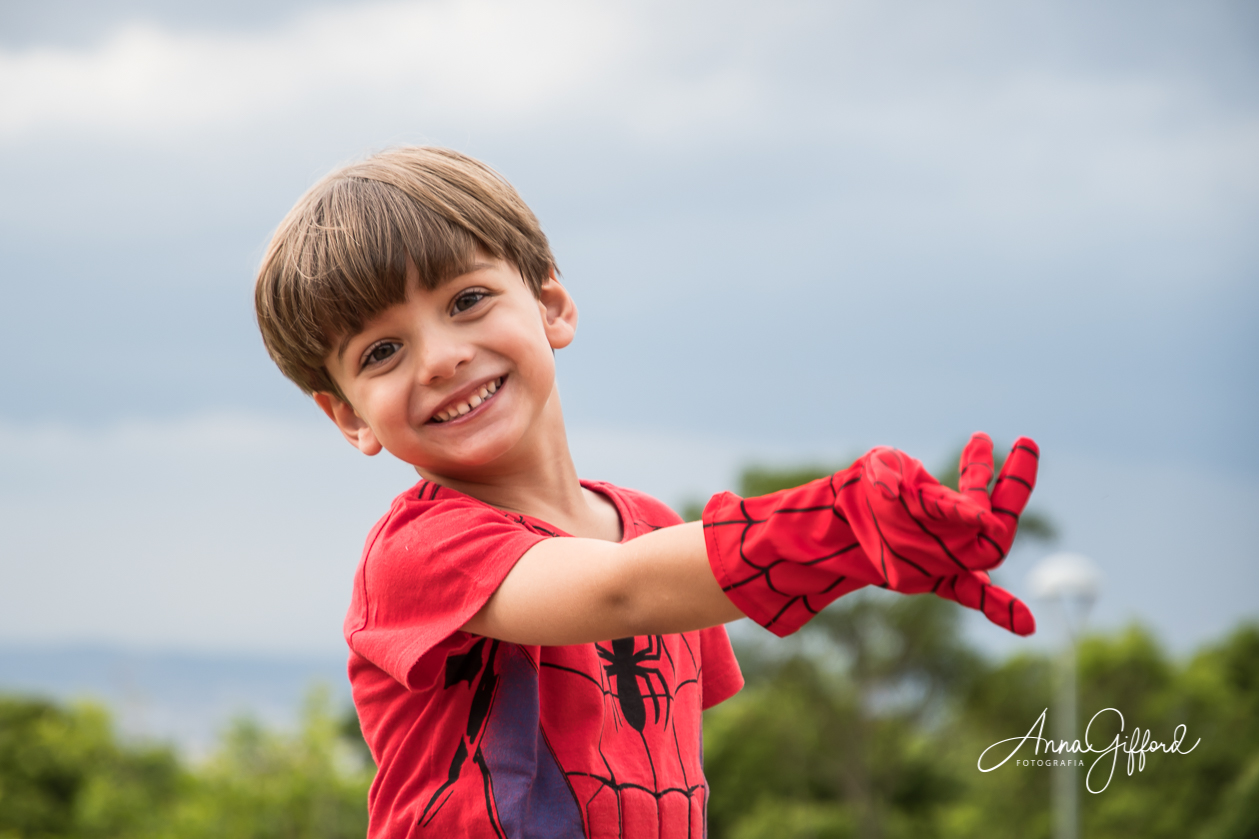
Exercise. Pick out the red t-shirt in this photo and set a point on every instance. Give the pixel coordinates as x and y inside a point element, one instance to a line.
<point>481,738</point>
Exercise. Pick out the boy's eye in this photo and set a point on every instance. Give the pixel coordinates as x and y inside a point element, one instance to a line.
<point>467,299</point>
<point>380,352</point>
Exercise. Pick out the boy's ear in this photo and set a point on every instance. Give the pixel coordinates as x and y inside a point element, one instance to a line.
<point>559,312</point>
<point>355,430</point>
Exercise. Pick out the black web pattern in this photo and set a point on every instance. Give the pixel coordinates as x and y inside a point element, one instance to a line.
<point>759,571</point>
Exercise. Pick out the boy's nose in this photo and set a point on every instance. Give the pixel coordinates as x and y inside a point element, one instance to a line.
<point>441,359</point>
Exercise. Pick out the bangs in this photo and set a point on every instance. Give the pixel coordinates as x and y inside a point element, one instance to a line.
<point>355,250</point>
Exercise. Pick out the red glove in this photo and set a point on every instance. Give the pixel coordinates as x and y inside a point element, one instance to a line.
<point>883,521</point>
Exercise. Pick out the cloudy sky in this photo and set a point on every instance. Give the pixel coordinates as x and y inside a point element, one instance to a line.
<point>794,230</point>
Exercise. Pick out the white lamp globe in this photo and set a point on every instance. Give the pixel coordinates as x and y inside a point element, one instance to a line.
<point>1066,575</point>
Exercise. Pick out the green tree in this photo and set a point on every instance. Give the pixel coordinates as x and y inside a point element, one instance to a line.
<point>1208,793</point>
<point>267,785</point>
<point>839,736</point>
<point>821,744</point>
<point>1003,701</point>
<point>64,774</point>
<point>1222,688</point>
<point>1216,696</point>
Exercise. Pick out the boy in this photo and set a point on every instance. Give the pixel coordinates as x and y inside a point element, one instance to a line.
<point>415,297</point>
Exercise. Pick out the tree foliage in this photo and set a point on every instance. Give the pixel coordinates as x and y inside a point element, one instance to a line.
<point>264,785</point>
<point>874,728</point>
<point>64,774</point>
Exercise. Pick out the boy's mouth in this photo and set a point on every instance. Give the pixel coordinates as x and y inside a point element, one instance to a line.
<point>458,409</point>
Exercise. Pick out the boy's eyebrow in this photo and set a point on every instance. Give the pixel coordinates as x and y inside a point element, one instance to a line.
<point>345,342</point>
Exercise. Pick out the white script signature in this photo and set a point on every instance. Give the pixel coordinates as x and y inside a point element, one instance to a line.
<point>1136,747</point>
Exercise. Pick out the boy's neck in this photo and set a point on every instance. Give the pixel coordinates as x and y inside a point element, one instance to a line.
<point>541,481</point>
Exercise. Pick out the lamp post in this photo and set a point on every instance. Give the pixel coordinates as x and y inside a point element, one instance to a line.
<point>1071,582</point>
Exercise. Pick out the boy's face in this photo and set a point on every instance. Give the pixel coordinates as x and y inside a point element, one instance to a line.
<point>454,379</point>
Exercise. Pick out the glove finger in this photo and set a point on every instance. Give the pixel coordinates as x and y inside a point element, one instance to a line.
<point>1018,477</point>
<point>975,469</point>
<point>974,591</point>
<point>1013,489</point>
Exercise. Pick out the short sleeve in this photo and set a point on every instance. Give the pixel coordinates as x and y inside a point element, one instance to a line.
<point>721,678</point>
<point>428,567</point>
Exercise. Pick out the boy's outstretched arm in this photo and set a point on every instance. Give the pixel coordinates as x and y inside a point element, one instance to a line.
<point>574,590</point>
<point>781,558</point>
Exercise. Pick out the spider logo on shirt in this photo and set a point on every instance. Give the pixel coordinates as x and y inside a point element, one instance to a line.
<point>626,666</point>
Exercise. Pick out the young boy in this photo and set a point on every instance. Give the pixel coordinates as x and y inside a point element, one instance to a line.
<point>530,652</point>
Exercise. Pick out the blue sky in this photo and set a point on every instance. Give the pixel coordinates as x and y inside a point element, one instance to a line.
<point>794,230</point>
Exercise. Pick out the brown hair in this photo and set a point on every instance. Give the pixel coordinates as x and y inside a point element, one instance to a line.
<point>340,256</point>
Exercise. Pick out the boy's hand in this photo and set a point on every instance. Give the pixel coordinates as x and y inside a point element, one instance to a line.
<point>921,528</point>
<point>884,521</point>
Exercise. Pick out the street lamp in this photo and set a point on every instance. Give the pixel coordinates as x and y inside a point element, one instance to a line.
<point>1070,581</point>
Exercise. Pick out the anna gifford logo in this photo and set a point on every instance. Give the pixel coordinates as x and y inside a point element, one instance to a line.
<point>1064,753</point>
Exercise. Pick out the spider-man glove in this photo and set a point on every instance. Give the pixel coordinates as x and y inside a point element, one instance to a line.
<point>883,521</point>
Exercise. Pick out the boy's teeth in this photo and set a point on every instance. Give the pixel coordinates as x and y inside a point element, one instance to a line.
<point>459,410</point>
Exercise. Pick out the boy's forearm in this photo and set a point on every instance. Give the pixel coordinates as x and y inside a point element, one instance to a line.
<point>671,584</point>
<point>572,591</point>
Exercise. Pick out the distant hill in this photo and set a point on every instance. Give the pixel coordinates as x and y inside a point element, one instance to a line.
<point>182,697</point>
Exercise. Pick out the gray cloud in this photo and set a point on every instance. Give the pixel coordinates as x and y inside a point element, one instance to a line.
<point>815,226</point>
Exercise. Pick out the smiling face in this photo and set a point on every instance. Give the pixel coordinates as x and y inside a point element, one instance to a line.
<point>459,380</point>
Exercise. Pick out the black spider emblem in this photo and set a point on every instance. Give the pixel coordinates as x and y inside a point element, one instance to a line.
<point>626,666</point>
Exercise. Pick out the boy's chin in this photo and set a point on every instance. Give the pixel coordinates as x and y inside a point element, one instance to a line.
<point>473,465</point>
